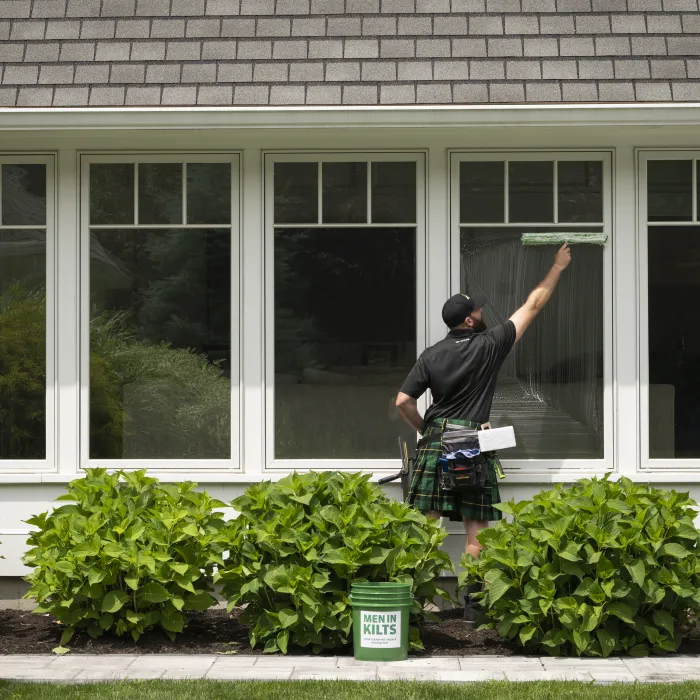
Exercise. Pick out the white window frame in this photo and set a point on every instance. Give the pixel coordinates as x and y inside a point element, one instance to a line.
<point>643,157</point>
<point>270,158</point>
<point>161,465</point>
<point>48,464</point>
<point>553,466</point>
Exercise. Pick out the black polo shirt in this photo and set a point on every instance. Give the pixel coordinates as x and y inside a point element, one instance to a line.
<point>461,372</point>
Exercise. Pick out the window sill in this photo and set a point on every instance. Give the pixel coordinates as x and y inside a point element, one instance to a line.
<point>564,476</point>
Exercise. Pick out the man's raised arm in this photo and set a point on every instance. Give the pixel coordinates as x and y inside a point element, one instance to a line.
<point>539,296</point>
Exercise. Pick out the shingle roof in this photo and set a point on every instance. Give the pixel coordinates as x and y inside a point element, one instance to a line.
<point>74,53</point>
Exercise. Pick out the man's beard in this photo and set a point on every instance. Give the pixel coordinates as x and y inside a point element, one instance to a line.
<point>479,325</point>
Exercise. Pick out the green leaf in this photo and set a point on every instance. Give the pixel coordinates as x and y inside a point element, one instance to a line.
<point>154,593</point>
<point>637,571</point>
<point>114,601</point>
<point>200,601</point>
<point>283,640</point>
<point>621,610</point>
<point>527,633</point>
<point>607,642</point>
<point>191,529</point>
<point>664,620</point>
<point>672,549</point>
<point>180,569</point>
<point>305,499</point>
<point>172,621</point>
<point>287,619</point>
<point>497,589</point>
<point>132,582</point>
<point>113,550</point>
<point>60,650</point>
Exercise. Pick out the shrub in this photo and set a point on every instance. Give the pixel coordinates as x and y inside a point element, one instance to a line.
<point>299,543</point>
<point>127,555</point>
<point>593,569</point>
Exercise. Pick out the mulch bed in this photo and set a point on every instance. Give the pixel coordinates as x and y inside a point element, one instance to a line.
<point>218,632</point>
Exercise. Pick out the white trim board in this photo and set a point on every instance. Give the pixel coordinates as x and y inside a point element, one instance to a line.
<point>666,114</point>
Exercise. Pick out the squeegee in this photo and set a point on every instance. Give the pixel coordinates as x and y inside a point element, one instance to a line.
<point>561,237</point>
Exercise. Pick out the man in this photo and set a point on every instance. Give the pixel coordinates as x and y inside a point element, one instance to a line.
<point>461,372</point>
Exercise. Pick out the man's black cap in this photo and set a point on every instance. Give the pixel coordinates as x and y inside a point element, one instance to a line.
<point>458,307</point>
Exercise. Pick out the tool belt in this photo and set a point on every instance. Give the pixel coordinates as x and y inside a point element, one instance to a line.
<point>459,469</point>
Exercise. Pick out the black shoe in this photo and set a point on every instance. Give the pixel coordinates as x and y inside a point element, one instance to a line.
<point>471,612</point>
<point>471,606</point>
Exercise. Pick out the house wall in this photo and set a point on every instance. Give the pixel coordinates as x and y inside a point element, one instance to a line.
<point>26,492</point>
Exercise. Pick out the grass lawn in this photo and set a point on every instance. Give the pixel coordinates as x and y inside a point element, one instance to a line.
<point>344,690</point>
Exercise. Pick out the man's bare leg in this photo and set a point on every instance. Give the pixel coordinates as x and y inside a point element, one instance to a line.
<point>473,528</point>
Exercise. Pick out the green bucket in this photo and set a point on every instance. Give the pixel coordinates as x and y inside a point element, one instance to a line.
<point>380,613</point>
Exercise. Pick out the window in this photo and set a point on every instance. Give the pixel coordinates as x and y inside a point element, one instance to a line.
<point>160,261</point>
<point>344,249</point>
<point>555,388</point>
<point>670,320</point>
<point>26,312</point>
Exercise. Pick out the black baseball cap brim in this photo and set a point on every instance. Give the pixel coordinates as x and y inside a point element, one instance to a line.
<point>458,307</point>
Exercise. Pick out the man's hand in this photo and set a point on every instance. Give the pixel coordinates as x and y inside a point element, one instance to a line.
<point>562,258</point>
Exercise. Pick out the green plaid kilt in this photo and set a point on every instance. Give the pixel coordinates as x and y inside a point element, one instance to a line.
<point>425,492</point>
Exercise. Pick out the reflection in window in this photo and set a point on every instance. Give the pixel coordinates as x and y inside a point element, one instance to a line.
<point>296,193</point>
<point>482,192</point>
<point>551,386</point>
<point>160,349</point>
<point>394,193</point>
<point>160,193</point>
<point>674,341</point>
<point>580,191</point>
<point>530,191</point>
<point>341,351</point>
<point>112,193</point>
<point>208,193</point>
<point>670,190</point>
<point>23,195</point>
<point>344,193</point>
<point>160,296</point>
<point>23,340</point>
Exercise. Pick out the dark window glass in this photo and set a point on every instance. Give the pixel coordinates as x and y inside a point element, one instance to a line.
<point>340,358</point>
<point>22,344</point>
<point>550,388</point>
<point>160,344</point>
<point>530,191</point>
<point>394,193</point>
<point>296,193</point>
<point>670,190</point>
<point>344,195</point>
<point>160,193</point>
<point>674,341</point>
<point>208,193</point>
<point>481,192</point>
<point>23,195</point>
<point>112,193</point>
<point>580,185</point>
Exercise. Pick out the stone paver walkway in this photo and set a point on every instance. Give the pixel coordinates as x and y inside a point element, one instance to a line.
<point>82,668</point>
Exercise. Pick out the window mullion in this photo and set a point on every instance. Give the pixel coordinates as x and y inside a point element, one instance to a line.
<point>184,194</point>
<point>136,193</point>
<point>506,196</point>
<point>556,192</point>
